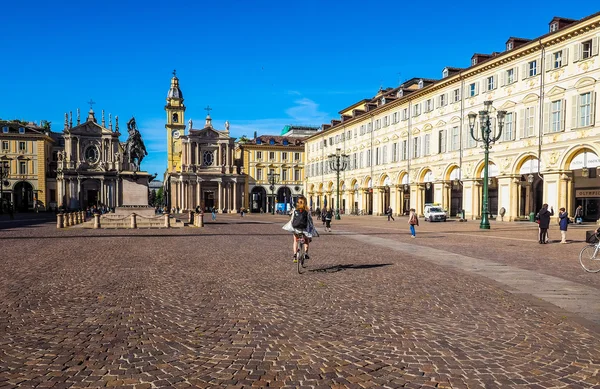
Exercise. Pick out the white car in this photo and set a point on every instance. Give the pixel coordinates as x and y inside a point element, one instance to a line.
<point>435,213</point>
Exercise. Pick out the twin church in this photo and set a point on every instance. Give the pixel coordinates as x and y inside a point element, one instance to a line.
<point>202,168</point>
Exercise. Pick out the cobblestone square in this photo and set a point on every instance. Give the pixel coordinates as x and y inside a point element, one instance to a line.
<point>223,307</point>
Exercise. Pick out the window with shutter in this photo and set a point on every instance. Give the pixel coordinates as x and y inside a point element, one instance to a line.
<point>508,132</point>
<point>556,120</point>
<point>585,110</point>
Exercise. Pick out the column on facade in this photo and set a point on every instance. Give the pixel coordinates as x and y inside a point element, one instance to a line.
<point>419,195</point>
<point>477,186</point>
<point>377,200</point>
<point>181,195</point>
<point>235,191</point>
<point>197,154</point>
<point>227,157</point>
<point>102,199</point>
<point>515,190</point>
<point>505,198</point>
<point>571,195</point>
<point>220,204</point>
<point>78,154</point>
<point>396,199</point>
<point>198,192</point>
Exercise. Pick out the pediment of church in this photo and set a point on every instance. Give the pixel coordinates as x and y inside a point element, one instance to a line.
<point>90,129</point>
<point>207,133</point>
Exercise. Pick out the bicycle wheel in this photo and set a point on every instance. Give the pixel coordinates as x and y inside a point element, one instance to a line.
<point>300,256</point>
<point>589,258</point>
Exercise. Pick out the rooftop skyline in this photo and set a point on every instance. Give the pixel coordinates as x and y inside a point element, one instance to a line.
<point>260,66</point>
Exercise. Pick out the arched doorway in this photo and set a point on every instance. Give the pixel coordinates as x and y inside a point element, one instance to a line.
<point>405,195</point>
<point>456,192</point>
<point>429,187</point>
<point>284,199</point>
<point>386,195</point>
<point>23,196</point>
<point>532,187</point>
<point>586,184</point>
<point>369,198</point>
<point>492,189</point>
<point>258,199</point>
<point>357,199</point>
<point>90,193</point>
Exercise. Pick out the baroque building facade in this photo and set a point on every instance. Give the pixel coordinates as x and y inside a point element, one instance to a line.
<point>91,164</point>
<point>202,171</point>
<point>26,151</point>
<point>274,165</point>
<point>411,145</point>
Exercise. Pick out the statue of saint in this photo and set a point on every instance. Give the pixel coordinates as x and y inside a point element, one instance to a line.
<point>226,125</point>
<point>190,124</point>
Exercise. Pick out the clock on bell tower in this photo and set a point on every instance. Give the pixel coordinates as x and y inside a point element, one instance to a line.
<point>175,125</point>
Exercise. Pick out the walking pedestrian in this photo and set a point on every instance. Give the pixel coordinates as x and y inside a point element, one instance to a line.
<point>323,213</point>
<point>579,215</point>
<point>545,222</point>
<point>563,221</point>
<point>214,213</point>
<point>328,216</point>
<point>413,221</point>
<point>390,214</point>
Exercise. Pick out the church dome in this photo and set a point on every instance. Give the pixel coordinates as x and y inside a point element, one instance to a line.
<point>175,92</point>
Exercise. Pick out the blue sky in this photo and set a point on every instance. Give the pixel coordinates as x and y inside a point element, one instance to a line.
<point>259,64</point>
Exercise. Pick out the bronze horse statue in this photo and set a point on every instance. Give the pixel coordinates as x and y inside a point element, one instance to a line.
<point>136,151</point>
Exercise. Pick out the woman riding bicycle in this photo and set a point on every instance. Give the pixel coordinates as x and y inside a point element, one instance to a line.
<point>301,222</point>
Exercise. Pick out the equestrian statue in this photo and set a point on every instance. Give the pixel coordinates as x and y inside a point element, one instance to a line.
<point>134,147</point>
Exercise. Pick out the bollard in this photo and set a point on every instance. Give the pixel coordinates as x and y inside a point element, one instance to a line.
<point>66,219</point>
<point>73,219</point>
<point>82,215</point>
<point>77,218</point>
<point>201,223</point>
<point>60,220</point>
<point>133,220</point>
<point>96,220</point>
<point>167,220</point>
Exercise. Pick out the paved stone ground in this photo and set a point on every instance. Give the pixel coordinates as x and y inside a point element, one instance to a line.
<point>223,307</point>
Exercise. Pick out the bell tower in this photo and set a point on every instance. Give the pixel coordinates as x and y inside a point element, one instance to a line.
<point>175,125</point>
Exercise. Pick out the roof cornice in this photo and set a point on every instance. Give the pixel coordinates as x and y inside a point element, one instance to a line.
<point>583,26</point>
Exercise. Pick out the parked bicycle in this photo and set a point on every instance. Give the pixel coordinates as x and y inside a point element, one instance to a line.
<point>589,257</point>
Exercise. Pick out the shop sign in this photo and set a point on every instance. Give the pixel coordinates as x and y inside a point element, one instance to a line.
<point>587,193</point>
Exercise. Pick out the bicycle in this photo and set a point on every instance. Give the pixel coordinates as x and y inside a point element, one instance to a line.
<point>300,252</point>
<point>589,257</point>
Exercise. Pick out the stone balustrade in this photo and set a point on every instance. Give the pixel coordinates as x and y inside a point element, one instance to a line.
<point>69,219</point>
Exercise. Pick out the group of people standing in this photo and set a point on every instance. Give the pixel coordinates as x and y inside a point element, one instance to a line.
<point>543,219</point>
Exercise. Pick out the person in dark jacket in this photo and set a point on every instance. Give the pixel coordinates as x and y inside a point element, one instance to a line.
<point>563,221</point>
<point>544,216</point>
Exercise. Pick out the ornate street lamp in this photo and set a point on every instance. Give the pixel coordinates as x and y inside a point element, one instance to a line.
<point>487,137</point>
<point>4,172</point>
<point>338,162</point>
<point>273,179</point>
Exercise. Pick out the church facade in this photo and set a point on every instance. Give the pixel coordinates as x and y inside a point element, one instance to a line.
<point>93,167</point>
<point>202,172</point>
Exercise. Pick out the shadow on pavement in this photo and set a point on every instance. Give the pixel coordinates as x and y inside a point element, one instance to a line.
<point>336,268</point>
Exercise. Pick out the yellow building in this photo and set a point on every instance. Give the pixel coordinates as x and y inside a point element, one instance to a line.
<point>412,145</point>
<point>26,149</point>
<point>275,169</point>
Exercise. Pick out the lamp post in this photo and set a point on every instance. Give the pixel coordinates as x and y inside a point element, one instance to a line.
<point>487,137</point>
<point>4,172</point>
<point>273,179</point>
<point>339,163</point>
